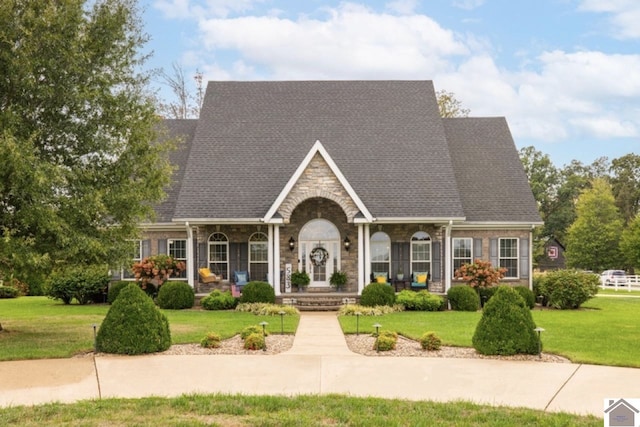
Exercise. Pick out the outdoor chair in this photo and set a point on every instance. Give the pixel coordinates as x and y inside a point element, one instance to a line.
<point>419,280</point>
<point>380,277</point>
<point>206,276</point>
<point>240,278</point>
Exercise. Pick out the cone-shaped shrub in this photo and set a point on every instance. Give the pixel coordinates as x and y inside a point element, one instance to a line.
<point>506,326</point>
<point>133,325</point>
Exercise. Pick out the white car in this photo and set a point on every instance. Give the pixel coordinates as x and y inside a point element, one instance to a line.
<point>610,277</point>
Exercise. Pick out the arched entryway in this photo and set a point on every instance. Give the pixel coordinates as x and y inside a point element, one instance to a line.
<point>319,250</point>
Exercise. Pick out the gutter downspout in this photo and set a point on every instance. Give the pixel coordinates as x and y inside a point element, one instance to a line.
<point>190,259</point>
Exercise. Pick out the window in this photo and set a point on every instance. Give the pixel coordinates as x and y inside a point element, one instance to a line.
<point>178,251</point>
<point>258,256</point>
<point>136,256</point>
<point>462,252</point>
<point>219,254</point>
<point>421,252</point>
<point>508,256</point>
<point>380,253</point>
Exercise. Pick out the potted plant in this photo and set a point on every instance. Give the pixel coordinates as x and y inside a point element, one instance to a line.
<point>338,279</point>
<point>301,279</point>
<point>400,274</point>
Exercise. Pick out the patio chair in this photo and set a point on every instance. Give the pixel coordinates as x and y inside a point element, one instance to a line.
<point>419,280</point>
<point>240,278</point>
<point>380,277</point>
<point>206,276</point>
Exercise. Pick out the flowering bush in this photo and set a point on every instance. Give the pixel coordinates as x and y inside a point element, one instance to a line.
<point>156,270</point>
<point>480,274</point>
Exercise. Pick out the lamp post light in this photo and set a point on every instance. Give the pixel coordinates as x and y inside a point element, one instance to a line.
<point>377,326</point>
<point>357,323</point>
<point>281,313</point>
<point>539,331</point>
<point>95,338</point>
<point>540,299</point>
<point>264,334</point>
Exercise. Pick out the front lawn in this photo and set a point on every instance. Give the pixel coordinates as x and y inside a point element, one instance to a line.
<point>38,327</point>
<point>606,331</point>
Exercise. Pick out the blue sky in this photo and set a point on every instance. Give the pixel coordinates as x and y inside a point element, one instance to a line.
<point>565,73</point>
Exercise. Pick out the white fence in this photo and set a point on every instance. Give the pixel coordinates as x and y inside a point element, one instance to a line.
<point>623,282</point>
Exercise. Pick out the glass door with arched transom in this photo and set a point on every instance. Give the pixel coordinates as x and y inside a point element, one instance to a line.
<point>319,250</point>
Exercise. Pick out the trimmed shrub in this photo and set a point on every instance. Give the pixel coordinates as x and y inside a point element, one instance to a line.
<point>379,310</point>
<point>264,309</point>
<point>133,325</point>
<point>258,292</point>
<point>218,300</point>
<point>430,341</point>
<point>486,294</point>
<point>212,340</point>
<point>527,295</point>
<point>386,341</point>
<point>568,289</point>
<point>463,298</point>
<point>420,301</point>
<point>8,292</point>
<point>506,326</point>
<point>253,329</point>
<point>114,290</point>
<point>254,342</point>
<point>84,283</point>
<point>375,294</point>
<point>175,296</point>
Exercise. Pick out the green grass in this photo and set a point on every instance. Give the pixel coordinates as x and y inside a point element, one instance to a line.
<point>329,410</point>
<point>38,327</point>
<point>635,292</point>
<point>604,332</point>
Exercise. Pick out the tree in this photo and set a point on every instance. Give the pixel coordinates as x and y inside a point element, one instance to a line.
<point>449,106</point>
<point>186,104</point>
<point>630,244</point>
<point>593,239</point>
<point>625,183</point>
<point>78,166</point>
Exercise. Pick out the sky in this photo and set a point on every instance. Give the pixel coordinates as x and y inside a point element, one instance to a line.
<point>564,73</point>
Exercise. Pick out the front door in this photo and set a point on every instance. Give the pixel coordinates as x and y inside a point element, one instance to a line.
<point>319,251</point>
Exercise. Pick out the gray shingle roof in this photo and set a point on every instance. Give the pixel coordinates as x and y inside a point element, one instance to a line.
<point>490,176</point>
<point>385,136</point>
<point>184,131</point>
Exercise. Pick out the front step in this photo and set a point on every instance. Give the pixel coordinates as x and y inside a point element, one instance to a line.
<point>318,302</point>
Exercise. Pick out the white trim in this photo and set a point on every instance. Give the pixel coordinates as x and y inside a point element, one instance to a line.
<point>453,257</point>
<point>367,253</point>
<point>317,148</point>
<point>222,221</point>
<point>269,255</point>
<point>448,255</point>
<point>169,226</point>
<point>517,258</point>
<point>276,259</point>
<point>496,225</point>
<point>417,220</point>
<point>361,258</point>
<point>190,256</point>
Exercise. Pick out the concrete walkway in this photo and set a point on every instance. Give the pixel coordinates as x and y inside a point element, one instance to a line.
<point>319,362</point>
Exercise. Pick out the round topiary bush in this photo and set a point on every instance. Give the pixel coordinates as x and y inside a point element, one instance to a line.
<point>254,341</point>
<point>527,295</point>
<point>463,298</point>
<point>430,341</point>
<point>218,300</point>
<point>133,325</point>
<point>175,296</point>
<point>506,326</point>
<point>212,340</point>
<point>114,290</point>
<point>253,329</point>
<point>377,294</point>
<point>568,289</point>
<point>386,341</point>
<point>258,292</point>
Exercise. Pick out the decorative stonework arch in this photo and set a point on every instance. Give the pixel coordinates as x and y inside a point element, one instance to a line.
<point>318,180</point>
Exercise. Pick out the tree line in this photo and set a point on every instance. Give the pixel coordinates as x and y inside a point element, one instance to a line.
<point>591,209</point>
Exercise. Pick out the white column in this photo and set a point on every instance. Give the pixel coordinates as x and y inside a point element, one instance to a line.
<point>190,256</point>
<point>367,254</point>
<point>531,259</point>
<point>447,257</point>
<point>361,258</point>
<point>270,253</point>
<point>276,259</point>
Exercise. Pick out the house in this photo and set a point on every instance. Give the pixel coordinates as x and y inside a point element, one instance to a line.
<point>621,413</point>
<point>363,177</point>
<point>553,258</point>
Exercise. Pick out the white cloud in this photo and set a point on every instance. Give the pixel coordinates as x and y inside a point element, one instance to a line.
<point>624,15</point>
<point>468,4</point>
<point>353,42</point>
